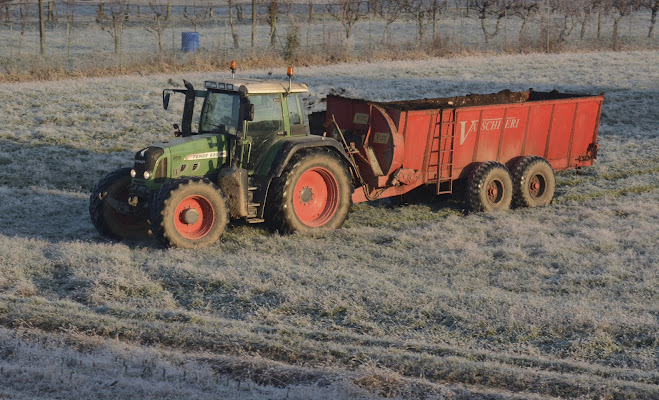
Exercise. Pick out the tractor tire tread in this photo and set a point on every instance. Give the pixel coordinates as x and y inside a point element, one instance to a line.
<point>278,217</point>
<point>96,204</point>
<point>161,202</point>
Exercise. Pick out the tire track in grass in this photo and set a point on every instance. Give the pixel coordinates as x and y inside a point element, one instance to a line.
<point>436,363</point>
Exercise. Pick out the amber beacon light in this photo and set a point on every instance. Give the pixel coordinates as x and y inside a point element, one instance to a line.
<point>233,67</point>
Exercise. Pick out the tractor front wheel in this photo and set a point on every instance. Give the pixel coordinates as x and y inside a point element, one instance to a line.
<point>313,192</point>
<point>108,194</point>
<point>189,213</point>
<point>489,187</point>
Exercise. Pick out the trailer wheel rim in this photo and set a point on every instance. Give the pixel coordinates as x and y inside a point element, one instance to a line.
<point>194,217</point>
<point>494,191</point>
<point>537,186</point>
<point>316,197</point>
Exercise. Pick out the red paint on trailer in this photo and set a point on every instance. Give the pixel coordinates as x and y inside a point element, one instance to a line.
<point>442,139</point>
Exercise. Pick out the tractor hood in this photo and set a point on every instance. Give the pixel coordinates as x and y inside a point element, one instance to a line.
<point>196,155</point>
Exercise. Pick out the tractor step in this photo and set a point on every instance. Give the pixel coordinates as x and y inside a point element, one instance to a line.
<point>255,220</point>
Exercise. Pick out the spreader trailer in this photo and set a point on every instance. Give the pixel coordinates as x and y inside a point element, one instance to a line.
<point>254,159</point>
<point>504,147</point>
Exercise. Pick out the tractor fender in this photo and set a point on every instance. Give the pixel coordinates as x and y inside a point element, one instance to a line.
<point>289,149</point>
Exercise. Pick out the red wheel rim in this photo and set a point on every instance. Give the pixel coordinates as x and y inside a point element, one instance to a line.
<point>494,191</point>
<point>316,197</point>
<point>194,217</point>
<point>537,185</point>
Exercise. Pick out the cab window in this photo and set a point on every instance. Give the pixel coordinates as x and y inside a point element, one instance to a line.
<point>295,115</point>
<point>268,116</point>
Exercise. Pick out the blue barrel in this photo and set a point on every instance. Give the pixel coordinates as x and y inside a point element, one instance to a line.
<point>190,42</point>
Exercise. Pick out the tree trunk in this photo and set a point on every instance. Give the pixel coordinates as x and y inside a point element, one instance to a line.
<point>159,36</point>
<point>274,9</point>
<point>42,29</point>
<point>116,35</point>
<point>584,23</point>
<point>615,32</point>
<point>653,19</point>
<point>51,11</point>
<point>234,34</point>
<point>253,23</point>
<point>487,34</point>
<point>599,21</point>
<point>310,20</point>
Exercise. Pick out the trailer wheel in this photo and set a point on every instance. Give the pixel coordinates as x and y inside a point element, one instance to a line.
<point>189,213</point>
<point>534,182</point>
<point>313,192</point>
<point>490,187</point>
<point>109,221</point>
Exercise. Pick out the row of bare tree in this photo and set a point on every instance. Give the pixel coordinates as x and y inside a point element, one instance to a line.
<point>155,15</point>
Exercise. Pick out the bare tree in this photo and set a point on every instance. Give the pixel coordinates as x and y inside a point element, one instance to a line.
<point>195,16</point>
<point>620,9</point>
<point>524,9</point>
<point>571,11</point>
<point>603,7</point>
<point>273,13</point>
<point>5,12</point>
<point>24,13</point>
<point>653,6</point>
<point>114,24</point>
<point>496,8</point>
<point>421,10</point>
<point>347,12</point>
<point>390,10</point>
<point>234,33</point>
<point>70,21</point>
<point>155,23</point>
<point>586,14</point>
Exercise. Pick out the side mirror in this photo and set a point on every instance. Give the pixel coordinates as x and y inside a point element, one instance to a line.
<point>250,113</point>
<point>165,99</point>
<point>246,109</point>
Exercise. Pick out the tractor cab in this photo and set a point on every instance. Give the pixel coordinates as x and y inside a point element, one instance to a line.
<point>256,113</point>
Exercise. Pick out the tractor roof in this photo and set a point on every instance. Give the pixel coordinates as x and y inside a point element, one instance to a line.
<point>257,86</point>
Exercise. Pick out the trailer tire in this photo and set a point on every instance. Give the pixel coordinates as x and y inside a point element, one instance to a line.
<point>313,192</point>
<point>109,221</point>
<point>489,187</point>
<point>189,213</point>
<point>533,181</point>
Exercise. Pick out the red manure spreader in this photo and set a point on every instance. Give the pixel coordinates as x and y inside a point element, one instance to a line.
<point>504,147</point>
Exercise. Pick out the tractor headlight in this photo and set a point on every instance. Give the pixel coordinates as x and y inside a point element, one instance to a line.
<point>147,175</point>
<point>133,173</point>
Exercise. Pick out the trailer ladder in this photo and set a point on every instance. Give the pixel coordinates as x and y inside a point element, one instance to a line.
<point>445,163</point>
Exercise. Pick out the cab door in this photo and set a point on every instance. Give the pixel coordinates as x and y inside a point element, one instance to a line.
<point>265,129</point>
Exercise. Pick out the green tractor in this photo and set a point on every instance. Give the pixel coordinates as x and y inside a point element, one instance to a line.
<point>253,159</point>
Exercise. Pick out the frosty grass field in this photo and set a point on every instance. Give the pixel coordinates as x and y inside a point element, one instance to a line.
<point>416,301</point>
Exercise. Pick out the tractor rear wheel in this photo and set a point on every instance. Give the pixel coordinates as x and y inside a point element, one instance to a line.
<point>189,213</point>
<point>534,182</point>
<point>111,190</point>
<point>313,192</point>
<point>489,187</point>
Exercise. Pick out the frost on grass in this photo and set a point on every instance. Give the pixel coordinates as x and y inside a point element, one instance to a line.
<point>559,301</point>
